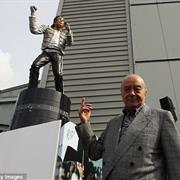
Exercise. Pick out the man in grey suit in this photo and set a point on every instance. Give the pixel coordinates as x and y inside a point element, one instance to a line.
<point>140,144</point>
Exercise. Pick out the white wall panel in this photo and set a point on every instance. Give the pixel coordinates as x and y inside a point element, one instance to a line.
<point>147,38</point>
<point>169,14</point>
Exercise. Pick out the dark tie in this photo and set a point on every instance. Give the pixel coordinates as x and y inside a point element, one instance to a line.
<point>129,115</point>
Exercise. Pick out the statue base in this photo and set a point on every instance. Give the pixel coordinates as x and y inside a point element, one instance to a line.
<point>40,105</point>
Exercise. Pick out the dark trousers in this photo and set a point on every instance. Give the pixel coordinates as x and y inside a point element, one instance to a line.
<point>43,59</point>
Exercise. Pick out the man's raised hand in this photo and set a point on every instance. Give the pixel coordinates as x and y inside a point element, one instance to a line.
<point>85,111</point>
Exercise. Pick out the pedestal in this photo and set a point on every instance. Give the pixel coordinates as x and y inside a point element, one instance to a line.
<point>39,105</point>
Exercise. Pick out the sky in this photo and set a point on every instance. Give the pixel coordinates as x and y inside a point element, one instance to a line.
<point>18,47</point>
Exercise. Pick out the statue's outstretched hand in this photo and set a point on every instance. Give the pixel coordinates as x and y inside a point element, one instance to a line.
<point>85,111</point>
<point>33,10</point>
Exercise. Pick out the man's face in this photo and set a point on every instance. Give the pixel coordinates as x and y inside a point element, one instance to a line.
<point>59,22</point>
<point>133,91</point>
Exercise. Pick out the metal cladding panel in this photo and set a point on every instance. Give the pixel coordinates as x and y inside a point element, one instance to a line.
<point>95,65</point>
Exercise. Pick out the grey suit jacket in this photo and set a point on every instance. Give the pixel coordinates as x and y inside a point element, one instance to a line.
<point>150,149</point>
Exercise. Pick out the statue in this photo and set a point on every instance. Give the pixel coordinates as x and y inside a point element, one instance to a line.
<point>55,38</point>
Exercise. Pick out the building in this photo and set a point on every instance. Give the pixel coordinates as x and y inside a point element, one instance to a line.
<point>112,39</point>
<point>8,98</point>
